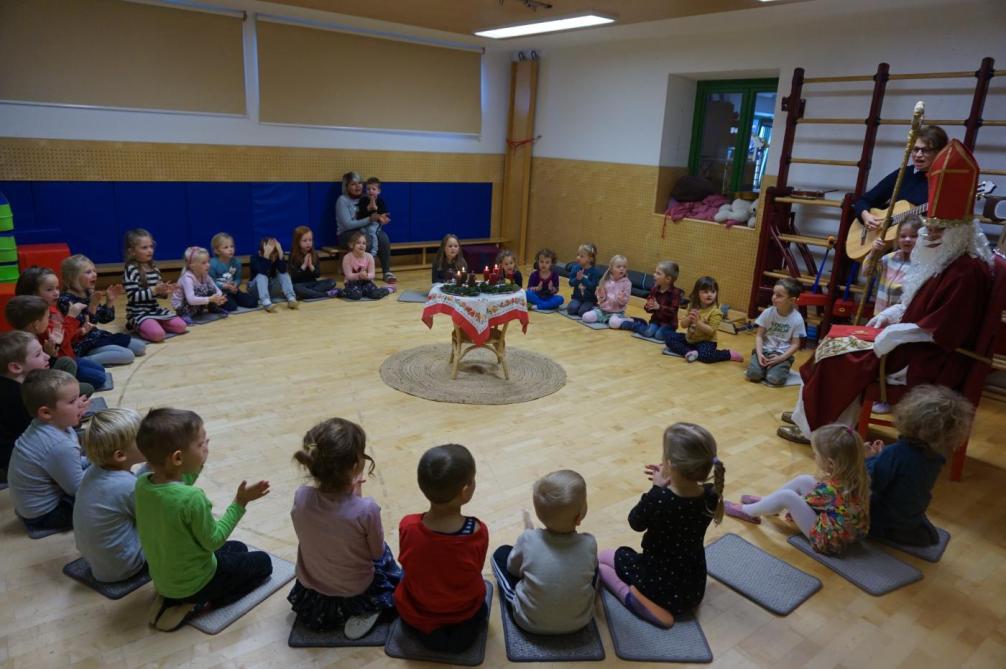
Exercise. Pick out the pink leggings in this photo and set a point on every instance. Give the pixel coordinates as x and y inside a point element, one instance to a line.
<point>154,330</point>
<point>622,590</point>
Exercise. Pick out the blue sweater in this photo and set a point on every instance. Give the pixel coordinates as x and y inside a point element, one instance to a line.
<point>914,188</point>
<point>902,477</point>
<point>585,289</point>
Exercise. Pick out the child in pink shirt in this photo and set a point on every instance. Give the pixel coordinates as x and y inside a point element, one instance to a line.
<point>358,268</point>
<point>612,294</point>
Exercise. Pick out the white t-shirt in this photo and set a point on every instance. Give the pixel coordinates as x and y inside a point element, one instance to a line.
<point>780,330</point>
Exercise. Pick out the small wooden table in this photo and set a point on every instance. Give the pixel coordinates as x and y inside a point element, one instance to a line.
<point>479,322</point>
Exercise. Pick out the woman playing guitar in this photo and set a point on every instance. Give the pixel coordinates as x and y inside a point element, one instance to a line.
<point>914,188</point>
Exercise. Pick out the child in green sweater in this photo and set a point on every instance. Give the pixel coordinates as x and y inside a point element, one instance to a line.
<point>192,564</point>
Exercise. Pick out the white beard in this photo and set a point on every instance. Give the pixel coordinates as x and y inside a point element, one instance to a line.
<point>928,262</point>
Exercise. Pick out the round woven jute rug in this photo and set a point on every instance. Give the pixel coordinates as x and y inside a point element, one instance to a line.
<point>425,372</point>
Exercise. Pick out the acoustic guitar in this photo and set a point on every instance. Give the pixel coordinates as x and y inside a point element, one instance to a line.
<point>859,243</point>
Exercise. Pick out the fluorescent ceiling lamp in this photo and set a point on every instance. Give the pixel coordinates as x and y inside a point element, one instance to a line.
<point>549,26</point>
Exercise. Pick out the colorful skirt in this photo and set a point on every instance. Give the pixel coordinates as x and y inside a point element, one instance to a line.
<point>323,612</point>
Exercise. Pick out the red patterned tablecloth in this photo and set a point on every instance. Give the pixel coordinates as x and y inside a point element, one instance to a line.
<point>477,315</point>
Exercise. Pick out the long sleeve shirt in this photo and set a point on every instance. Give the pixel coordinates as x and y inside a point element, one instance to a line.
<point>663,305</point>
<point>358,268</point>
<point>545,288</point>
<point>914,188</point>
<point>902,477</point>
<point>300,275</point>
<point>46,466</point>
<point>225,272</point>
<point>179,534</point>
<point>362,210</point>
<point>141,301</point>
<point>261,265</point>
<point>345,214</point>
<point>585,289</point>
<point>104,524</point>
<point>616,294</point>
<point>14,418</point>
<point>192,291</point>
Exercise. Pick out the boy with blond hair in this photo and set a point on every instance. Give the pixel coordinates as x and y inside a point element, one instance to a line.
<point>549,576</point>
<point>47,466</point>
<point>104,515</point>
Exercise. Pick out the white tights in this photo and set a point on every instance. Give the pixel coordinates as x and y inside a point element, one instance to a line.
<point>789,498</point>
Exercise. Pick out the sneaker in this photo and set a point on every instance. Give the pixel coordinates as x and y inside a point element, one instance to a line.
<point>735,356</point>
<point>271,308</point>
<point>787,417</point>
<point>792,433</point>
<point>170,618</point>
<point>750,499</point>
<point>390,278</point>
<point>733,509</point>
<point>692,356</point>
<point>881,407</point>
<point>293,304</point>
<point>358,627</point>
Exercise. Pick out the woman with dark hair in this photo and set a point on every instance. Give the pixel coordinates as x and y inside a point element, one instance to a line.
<point>346,221</point>
<point>914,187</point>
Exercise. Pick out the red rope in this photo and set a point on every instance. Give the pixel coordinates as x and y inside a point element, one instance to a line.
<point>513,144</point>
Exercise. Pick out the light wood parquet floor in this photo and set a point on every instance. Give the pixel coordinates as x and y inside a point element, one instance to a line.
<point>261,380</point>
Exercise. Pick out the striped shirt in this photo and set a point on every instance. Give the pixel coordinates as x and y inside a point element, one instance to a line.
<point>892,276</point>
<point>141,302</point>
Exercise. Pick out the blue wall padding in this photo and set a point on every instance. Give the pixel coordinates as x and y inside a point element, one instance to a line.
<point>92,216</point>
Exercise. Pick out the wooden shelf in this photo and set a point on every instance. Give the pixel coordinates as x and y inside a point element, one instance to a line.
<point>808,280</point>
<point>813,202</point>
<point>825,242</point>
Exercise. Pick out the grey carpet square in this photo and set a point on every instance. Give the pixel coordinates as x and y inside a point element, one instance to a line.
<point>109,384</point>
<point>563,312</point>
<point>317,299</point>
<point>412,296</point>
<point>94,406</point>
<point>764,579</point>
<point>80,571</point>
<point>650,339</point>
<point>928,553</point>
<point>671,353</point>
<point>302,637</point>
<point>543,311</point>
<point>635,639</point>
<point>42,534</point>
<point>208,317</point>
<point>245,310</point>
<point>403,643</point>
<point>217,620</point>
<point>172,335</point>
<point>864,565</point>
<point>581,646</point>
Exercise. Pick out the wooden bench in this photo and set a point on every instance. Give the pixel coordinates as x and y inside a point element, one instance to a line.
<point>422,247</point>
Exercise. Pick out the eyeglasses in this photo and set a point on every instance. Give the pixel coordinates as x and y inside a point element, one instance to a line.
<point>919,149</point>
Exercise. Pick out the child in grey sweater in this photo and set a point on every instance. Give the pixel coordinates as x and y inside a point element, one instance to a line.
<point>104,516</point>
<point>549,576</point>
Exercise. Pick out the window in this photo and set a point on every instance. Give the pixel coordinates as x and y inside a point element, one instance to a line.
<point>731,132</point>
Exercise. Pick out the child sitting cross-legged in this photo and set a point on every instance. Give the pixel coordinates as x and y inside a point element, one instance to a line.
<point>47,466</point>
<point>191,562</point>
<point>225,268</point>
<point>442,594</point>
<point>698,342</point>
<point>549,576</point>
<point>196,292</point>
<point>669,577</point>
<point>358,268</point>
<point>613,293</point>
<point>30,313</point>
<point>662,304</point>
<point>584,276</point>
<point>932,421</point>
<point>543,284</point>
<point>346,574</point>
<point>305,268</point>
<point>20,353</point>
<point>104,515</point>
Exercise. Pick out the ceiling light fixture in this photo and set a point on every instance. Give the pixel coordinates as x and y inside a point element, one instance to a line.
<point>547,26</point>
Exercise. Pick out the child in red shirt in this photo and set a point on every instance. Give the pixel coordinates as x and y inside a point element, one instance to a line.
<point>442,595</point>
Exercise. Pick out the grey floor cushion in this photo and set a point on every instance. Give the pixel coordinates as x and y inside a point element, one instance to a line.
<point>42,534</point>
<point>649,339</point>
<point>563,312</point>
<point>80,571</point>
<point>412,296</point>
<point>764,579</point>
<point>245,310</point>
<point>864,565</point>
<point>94,406</point>
<point>208,317</point>
<point>403,644</point>
<point>109,383</point>
<point>635,639</point>
<point>302,637</point>
<point>580,646</point>
<point>928,553</point>
<point>217,620</point>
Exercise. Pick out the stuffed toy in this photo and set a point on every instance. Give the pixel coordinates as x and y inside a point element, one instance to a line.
<point>736,213</point>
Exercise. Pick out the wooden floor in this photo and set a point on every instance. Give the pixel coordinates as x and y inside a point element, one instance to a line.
<point>261,380</point>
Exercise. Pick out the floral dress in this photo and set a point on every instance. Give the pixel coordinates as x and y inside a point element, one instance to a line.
<point>841,517</point>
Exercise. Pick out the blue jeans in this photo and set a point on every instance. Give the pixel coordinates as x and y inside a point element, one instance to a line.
<point>552,302</point>
<point>90,371</point>
<point>117,355</point>
<point>263,287</point>
<point>653,330</point>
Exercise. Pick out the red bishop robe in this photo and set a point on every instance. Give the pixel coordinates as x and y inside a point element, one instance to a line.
<point>950,305</point>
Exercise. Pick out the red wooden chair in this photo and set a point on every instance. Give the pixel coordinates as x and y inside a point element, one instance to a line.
<point>991,340</point>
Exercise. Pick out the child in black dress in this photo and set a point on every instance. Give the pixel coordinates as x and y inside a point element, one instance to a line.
<point>669,577</point>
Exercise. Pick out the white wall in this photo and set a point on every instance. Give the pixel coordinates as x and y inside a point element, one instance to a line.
<point>609,101</point>
<point>52,122</point>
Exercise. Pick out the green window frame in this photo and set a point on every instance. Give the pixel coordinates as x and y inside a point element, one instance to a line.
<point>748,88</point>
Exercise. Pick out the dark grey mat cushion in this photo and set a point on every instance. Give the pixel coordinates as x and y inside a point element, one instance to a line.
<point>109,383</point>
<point>208,317</point>
<point>928,553</point>
<point>636,639</point>
<point>302,637</point>
<point>563,312</point>
<point>650,339</point>
<point>412,296</point>
<point>317,299</point>
<point>864,565</point>
<point>80,571</point>
<point>42,534</point>
<point>581,646</point>
<point>217,620</point>
<point>245,310</point>
<point>764,579</point>
<point>595,326</point>
<point>402,643</point>
<point>94,406</point>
